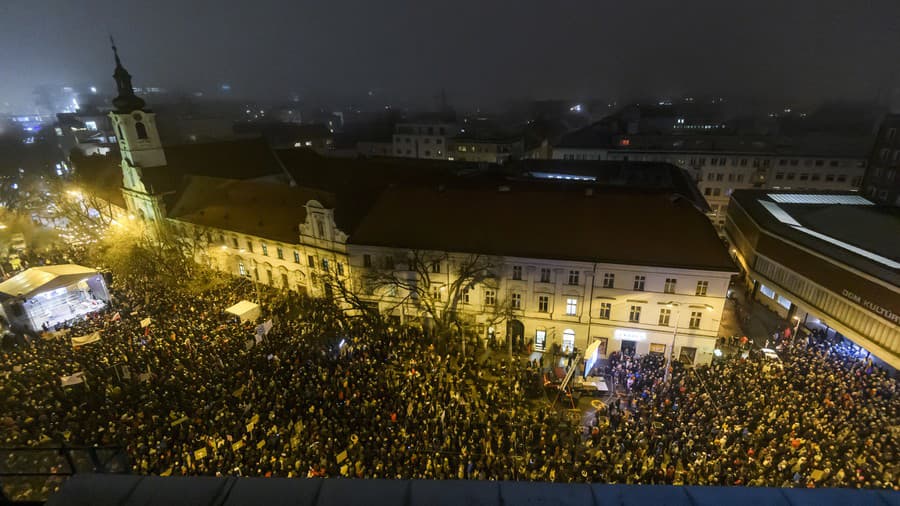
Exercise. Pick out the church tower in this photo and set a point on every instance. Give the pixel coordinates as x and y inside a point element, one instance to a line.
<point>139,144</point>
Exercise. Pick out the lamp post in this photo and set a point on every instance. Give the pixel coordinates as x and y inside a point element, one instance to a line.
<point>671,354</point>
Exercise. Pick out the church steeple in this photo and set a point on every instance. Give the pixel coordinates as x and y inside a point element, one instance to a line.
<point>126,101</point>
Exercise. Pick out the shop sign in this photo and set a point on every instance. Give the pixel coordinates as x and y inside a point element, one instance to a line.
<point>630,335</point>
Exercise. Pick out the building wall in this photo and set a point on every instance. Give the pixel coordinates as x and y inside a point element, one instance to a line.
<point>720,173</point>
<point>882,179</point>
<point>427,141</point>
<point>588,293</point>
<point>299,266</point>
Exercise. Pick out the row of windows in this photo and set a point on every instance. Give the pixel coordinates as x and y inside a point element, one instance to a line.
<point>573,278</point>
<point>720,176</point>
<point>885,154</point>
<point>427,152</point>
<point>426,140</point>
<point>862,321</point>
<point>806,176</point>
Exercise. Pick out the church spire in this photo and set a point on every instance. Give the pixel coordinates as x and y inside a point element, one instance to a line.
<point>126,101</point>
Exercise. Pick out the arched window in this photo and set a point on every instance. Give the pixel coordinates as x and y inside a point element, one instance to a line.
<point>121,135</point>
<point>568,340</point>
<point>141,130</point>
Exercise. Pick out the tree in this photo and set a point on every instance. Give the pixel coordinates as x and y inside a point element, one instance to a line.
<point>438,285</point>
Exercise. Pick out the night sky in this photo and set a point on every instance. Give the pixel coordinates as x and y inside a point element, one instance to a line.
<point>478,50</point>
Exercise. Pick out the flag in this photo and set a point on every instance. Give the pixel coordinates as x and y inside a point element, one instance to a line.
<point>87,339</point>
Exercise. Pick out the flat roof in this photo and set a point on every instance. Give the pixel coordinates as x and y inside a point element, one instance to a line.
<point>842,226</point>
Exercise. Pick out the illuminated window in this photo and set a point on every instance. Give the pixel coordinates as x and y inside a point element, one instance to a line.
<point>768,292</point>
<point>625,142</point>
<point>571,306</point>
<point>568,343</point>
<point>296,257</point>
<point>241,269</point>
<point>540,339</point>
<point>516,301</point>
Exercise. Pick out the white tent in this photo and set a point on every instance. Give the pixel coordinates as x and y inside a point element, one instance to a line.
<point>245,310</point>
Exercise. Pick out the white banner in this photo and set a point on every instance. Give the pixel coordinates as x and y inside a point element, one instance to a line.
<point>73,379</point>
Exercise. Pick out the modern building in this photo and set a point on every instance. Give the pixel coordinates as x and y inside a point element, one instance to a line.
<point>634,270</point>
<point>882,181</point>
<point>827,261</point>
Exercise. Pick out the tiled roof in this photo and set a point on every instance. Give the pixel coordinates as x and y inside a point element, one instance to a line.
<point>652,228</point>
<point>269,210</point>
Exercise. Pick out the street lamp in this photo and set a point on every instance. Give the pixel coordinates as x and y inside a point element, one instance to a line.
<point>677,305</point>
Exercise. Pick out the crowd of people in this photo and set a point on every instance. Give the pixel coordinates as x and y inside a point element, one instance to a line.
<point>321,394</point>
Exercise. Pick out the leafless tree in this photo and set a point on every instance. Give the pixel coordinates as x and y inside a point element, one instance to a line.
<point>438,285</point>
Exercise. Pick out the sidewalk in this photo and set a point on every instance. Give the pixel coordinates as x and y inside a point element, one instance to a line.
<point>760,325</point>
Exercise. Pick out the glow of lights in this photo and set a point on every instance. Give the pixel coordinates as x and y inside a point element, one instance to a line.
<point>93,89</point>
<point>717,352</point>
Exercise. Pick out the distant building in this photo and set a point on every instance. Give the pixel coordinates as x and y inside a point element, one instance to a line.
<point>882,181</point>
<point>823,261</point>
<point>485,150</point>
<point>423,140</point>
<point>723,164</point>
<point>88,131</point>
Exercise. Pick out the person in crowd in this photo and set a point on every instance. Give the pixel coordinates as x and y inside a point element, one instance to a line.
<point>325,395</point>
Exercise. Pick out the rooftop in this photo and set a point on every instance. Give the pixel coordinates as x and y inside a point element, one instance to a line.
<point>652,228</point>
<point>842,226</point>
<point>269,210</point>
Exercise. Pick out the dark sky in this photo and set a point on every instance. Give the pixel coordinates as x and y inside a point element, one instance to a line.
<point>476,49</point>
